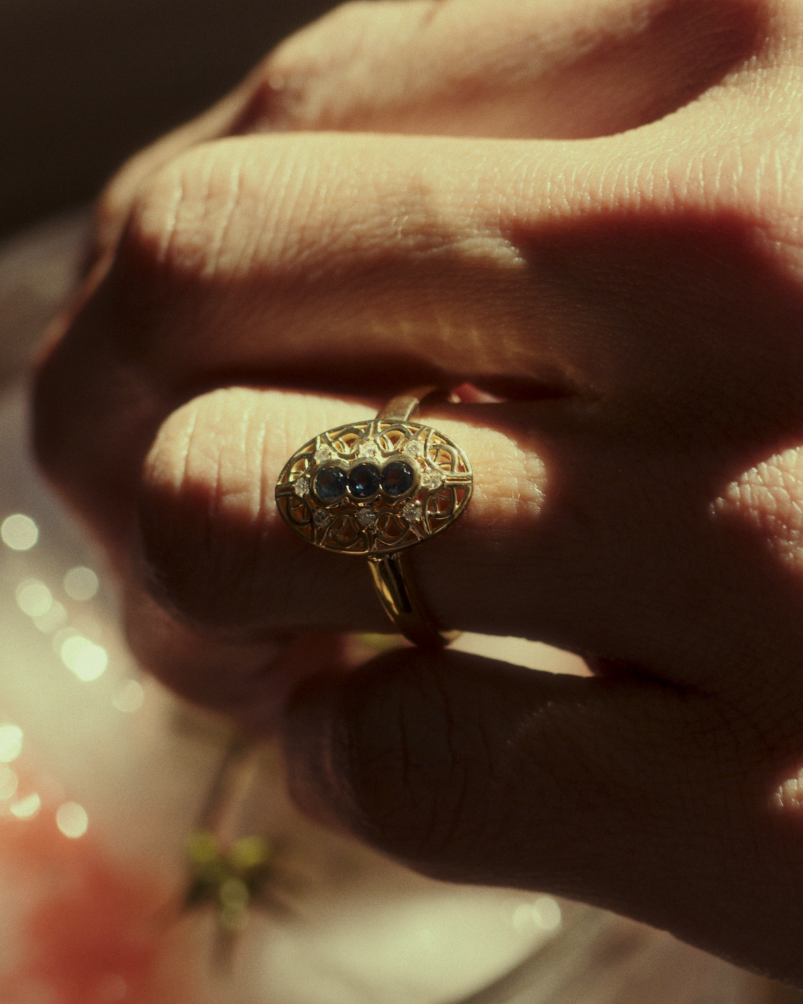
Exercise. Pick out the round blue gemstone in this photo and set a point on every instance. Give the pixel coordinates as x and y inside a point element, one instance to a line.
<point>364,481</point>
<point>330,484</point>
<point>397,478</point>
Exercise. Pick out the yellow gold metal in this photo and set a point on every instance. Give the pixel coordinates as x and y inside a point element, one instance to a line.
<point>401,601</point>
<point>375,488</point>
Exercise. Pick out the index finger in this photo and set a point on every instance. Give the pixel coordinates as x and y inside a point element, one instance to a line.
<point>502,68</point>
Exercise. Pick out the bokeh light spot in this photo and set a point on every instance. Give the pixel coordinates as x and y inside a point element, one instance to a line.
<point>81,583</point>
<point>86,659</point>
<point>27,807</point>
<point>55,618</point>
<point>33,598</point>
<point>543,913</point>
<point>130,697</point>
<point>9,782</point>
<point>547,913</point>
<point>10,742</point>
<point>19,532</point>
<point>72,820</point>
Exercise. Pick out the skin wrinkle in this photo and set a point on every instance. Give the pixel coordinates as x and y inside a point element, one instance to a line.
<point>345,746</point>
<point>189,437</point>
<point>481,743</point>
<point>397,753</point>
<point>456,781</point>
<point>770,497</point>
<point>200,207</point>
<point>241,486</point>
<point>404,753</point>
<point>266,503</point>
<point>383,227</point>
<point>170,222</point>
<point>255,486</point>
<point>225,216</point>
<point>255,492</point>
<point>227,253</point>
<point>443,241</point>
<point>750,176</point>
<point>213,505</point>
<point>446,810</point>
<point>202,462</point>
<point>305,178</point>
<point>594,41</point>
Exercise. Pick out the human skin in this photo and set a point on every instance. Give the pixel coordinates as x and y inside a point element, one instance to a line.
<point>590,213</point>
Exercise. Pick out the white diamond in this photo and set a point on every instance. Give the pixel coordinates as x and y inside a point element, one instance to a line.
<point>321,518</point>
<point>366,518</point>
<point>415,448</point>
<point>412,512</point>
<point>301,486</point>
<point>431,479</point>
<point>324,453</point>
<point>369,450</point>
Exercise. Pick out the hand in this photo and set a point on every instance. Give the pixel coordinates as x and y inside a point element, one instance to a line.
<point>593,214</point>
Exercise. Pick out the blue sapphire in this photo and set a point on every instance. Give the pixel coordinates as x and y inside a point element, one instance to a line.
<point>364,481</point>
<point>330,484</point>
<point>397,478</point>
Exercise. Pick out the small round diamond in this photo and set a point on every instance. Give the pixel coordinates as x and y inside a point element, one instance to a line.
<point>431,479</point>
<point>321,518</point>
<point>415,448</point>
<point>368,450</point>
<point>324,453</point>
<point>412,511</point>
<point>366,518</point>
<point>301,486</point>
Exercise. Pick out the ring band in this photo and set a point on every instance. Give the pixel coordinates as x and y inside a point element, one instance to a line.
<point>376,488</point>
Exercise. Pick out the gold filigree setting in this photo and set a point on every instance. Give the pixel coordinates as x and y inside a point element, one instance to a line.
<point>374,487</point>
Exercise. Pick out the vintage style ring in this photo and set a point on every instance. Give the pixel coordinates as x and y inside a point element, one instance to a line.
<point>376,488</point>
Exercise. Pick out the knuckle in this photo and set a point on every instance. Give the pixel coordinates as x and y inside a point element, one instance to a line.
<point>158,235</point>
<point>220,210</point>
<point>199,515</point>
<point>322,76</point>
<point>417,779</point>
<point>161,284</point>
<point>289,85</point>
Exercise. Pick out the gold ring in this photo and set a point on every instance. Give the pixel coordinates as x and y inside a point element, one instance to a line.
<point>376,488</point>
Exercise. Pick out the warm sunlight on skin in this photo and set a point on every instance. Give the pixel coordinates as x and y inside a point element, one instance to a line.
<point>769,497</point>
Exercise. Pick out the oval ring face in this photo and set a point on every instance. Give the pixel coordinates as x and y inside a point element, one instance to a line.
<point>374,487</point>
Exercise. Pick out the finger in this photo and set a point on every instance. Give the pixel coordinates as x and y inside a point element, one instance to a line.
<point>115,202</point>
<point>245,680</point>
<point>651,801</point>
<point>588,68</point>
<point>501,67</point>
<point>234,237</point>
<point>553,546</point>
<point>586,269</point>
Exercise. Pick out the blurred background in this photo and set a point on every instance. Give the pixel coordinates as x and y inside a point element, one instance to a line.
<point>84,83</point>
